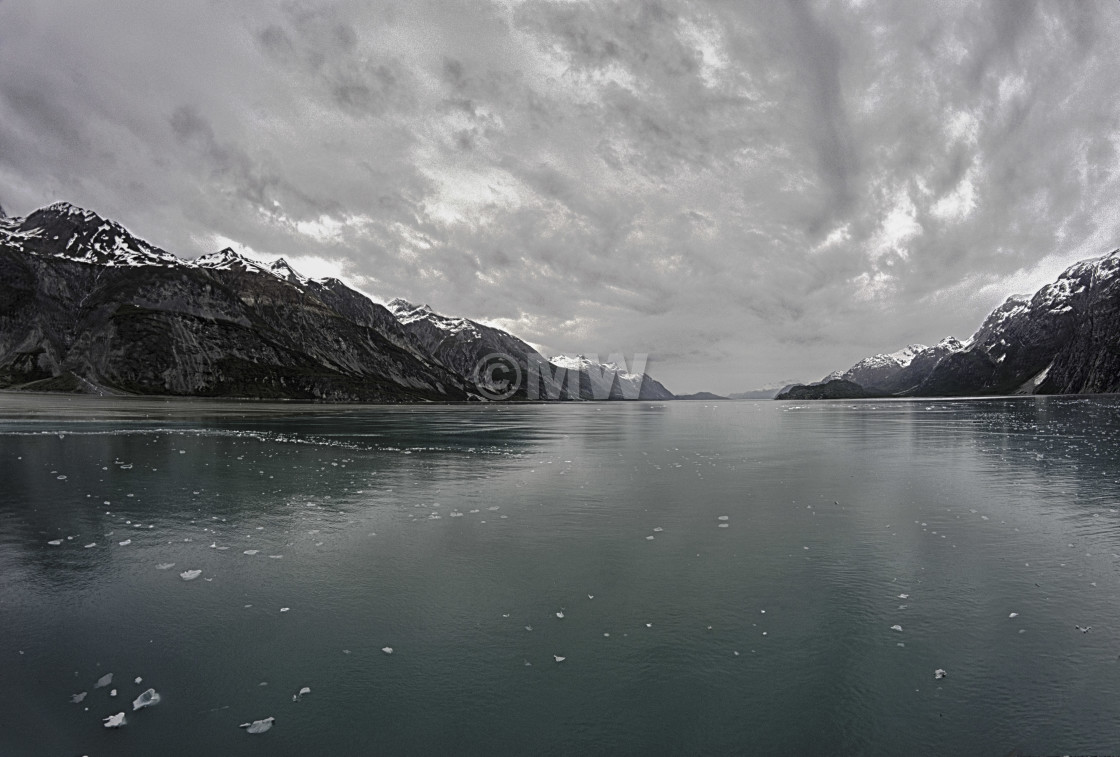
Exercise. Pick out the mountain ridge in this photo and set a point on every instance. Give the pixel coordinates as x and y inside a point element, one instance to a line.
<point>87,306</point>
<point>1063,339</point>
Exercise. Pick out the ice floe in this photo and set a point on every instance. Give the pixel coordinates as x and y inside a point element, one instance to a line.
<point>190,575</point>
<point>115,721</point>
<point>258,726</point>
<point>146,699</point>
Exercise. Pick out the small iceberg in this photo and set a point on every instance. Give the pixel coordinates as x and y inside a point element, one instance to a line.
<point>91,545</point>
<point>55,542</point>
<point>896,628</point>
<point>558,658</point>
<point>103,681</point>
<point>258,726</point>
<point>77,698</point>
<point>125,543</point>
<point>1013,615</point>
<point>190,575</point>
<point>939,674</point>
<point>251,551</point>
<point>165,566</point>
<point>147,699</point>
<point>560,614</point>
<point>115,721</point>
<point>299,696</point>
<point>387,650</point>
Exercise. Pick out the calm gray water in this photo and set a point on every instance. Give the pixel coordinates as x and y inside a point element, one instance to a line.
<point>444,532</point>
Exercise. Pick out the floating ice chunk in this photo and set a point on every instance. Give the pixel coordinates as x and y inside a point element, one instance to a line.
<point>190,575</point>
<point>1084,629</point>
<point>115,721</point>
<point>299,696</point>
<point>904,596</point>
<point>103,681</point>
<point>649,538</point>
<point>558,658</point>
<point>285,609</point>
<point>939,674</point>
<point>165,566</point>
<point>91,545</point>
<point>1013,615</point>
<point>138,680</point>
<point>125,543</point>
<point>113,692</point>
<point>55,542</point>
<point>251,551</point>
<point>146,699</point>
<point>258,726</point>
<point>591,596</point>
<point>528,628</point>
<point>77,698</point>
<point>387,650</point>
<point>724,525</point>
<point>896,628</point>
<point>560,614</point>
<point>658,529</point>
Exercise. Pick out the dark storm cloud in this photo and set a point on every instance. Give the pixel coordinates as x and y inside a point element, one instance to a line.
<point>747,191</point>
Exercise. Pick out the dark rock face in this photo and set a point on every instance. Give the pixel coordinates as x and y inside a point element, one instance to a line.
<point>1065,339</point>
<point>836,389</point>
<point>84,305</point>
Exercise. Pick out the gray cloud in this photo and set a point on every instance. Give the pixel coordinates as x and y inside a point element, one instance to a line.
<point>746,191</point>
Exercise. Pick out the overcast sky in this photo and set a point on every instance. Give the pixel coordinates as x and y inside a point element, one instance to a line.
<point>746,191</point>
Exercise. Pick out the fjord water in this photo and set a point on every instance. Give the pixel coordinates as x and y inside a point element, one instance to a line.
<point>444,532</point>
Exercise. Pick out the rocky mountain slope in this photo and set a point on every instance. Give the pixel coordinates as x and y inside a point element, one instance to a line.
<point>1065,339</point>
<point>86,306</point>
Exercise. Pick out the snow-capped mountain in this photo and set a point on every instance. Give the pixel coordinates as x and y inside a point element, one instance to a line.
<point>610,380</point>
<point>85,305</point>
<point>876,370</point>
<point>464,346</point>
<point>1064,339</point>
<point>65,231</point>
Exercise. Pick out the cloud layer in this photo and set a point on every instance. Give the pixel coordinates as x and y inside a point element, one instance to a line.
<point>745,191</point>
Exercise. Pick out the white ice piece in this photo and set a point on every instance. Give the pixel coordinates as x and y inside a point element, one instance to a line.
<point>387,650</point>
<point>146,699</point>
<point>258,726</point>
<point>103,681</point>
<point>190,575</point>
<point>115,721</point>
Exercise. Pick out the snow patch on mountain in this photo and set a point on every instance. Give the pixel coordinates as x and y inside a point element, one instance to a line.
<point>407,313</point>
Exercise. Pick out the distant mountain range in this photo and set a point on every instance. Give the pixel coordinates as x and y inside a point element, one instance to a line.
<point>85,306</point>
<point>1065,339</point>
